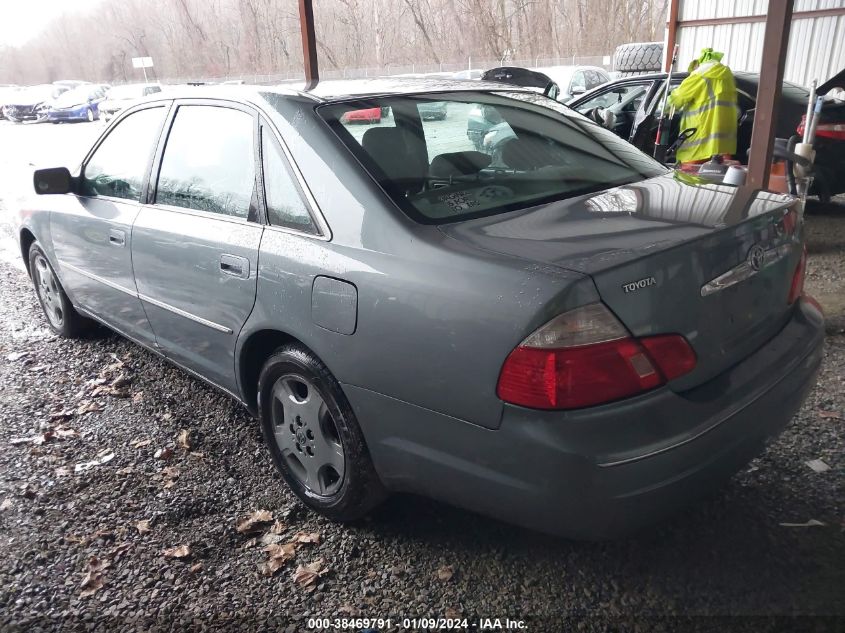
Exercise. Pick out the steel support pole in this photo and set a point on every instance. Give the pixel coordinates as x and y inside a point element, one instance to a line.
<point>671,34</point>
<point>775,42</point>
<point>309,43</point>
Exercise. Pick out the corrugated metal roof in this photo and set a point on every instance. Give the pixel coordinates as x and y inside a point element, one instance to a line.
<point>816,44</point>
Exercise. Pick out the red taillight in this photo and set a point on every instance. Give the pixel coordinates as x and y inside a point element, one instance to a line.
<point>797,287</point>
<point>546,373</point>
<point>835,131</point>
<point>672,354</point>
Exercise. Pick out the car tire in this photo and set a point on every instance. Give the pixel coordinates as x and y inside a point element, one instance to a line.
<point>635,59</point>
<point>61,316</point>
<point>312,433</point>
<point>90,115</point>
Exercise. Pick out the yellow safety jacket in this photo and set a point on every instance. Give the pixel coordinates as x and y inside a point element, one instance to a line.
<point>708,102</point>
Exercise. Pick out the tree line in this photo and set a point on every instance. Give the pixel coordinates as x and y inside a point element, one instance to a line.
<point>193,39</point>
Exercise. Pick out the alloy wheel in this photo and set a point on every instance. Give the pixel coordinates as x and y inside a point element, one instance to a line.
<point>307,435</point>
<point>48,291</point>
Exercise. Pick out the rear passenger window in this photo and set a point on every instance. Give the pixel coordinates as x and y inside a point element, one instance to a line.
<point>209,161</point>
<point>285,206</point>
<point>118,165</point>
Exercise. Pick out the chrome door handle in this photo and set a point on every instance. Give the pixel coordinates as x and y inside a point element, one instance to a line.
<point>235,266</point>
<point>117,237</point>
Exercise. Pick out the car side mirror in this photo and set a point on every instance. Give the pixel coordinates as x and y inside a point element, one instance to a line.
<point>54,180</point>
<point>577,90</point>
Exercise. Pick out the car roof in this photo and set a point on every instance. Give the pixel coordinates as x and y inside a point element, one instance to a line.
<point>334,90</point>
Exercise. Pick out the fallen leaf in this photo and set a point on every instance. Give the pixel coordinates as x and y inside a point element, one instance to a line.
<point>167,417</point>
<point>445,573</point>
<point>101,458</point>
<point>142,443</point>
<point>818,465</point>
<point>143,527</point>
<point>196,568</point>
<point>452,614</point>
<point>810,523</point>
<point>93,580</point>
<point>306,537</point>
<point>7,503</point>
<point>254,522</point>
<point>164,453</point>
<point>62,415</point>
<point>306,576</point>
<point>138,397</point>
<point>62,433</point>
<point>88,407</point>
<point>348,610</point>
<point>16,356</point>
<point>180,551</point>
<point>59,432</point>
<point>183,441</point>
<point>170,472</point>
<point>830,414</point>
<point>119,551</point>
<point>125,471</point>
<point>196,455</point>
<point>278,527</point>
<point>121,381</point>
<point>251,543</point>
<point>277,556</point>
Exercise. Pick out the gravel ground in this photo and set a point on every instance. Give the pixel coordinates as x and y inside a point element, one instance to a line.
<point>182,464</point>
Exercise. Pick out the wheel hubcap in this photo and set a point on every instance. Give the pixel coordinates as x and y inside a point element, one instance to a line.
<point>307,435</point>
<point>48,291</point>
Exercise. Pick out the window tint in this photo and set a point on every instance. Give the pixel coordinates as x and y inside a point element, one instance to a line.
<point>209,162</point>
<point>285,206</point>
<point>118,166</point>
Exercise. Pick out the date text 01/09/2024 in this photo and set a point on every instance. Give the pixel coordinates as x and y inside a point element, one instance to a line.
<point>382,625</point>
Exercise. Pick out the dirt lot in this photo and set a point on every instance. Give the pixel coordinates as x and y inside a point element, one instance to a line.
<point>129,459</point>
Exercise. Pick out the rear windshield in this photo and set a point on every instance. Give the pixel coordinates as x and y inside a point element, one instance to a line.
<point>462,155</point>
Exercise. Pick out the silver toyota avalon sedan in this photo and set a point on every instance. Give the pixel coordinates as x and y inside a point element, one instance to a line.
<point>561,333</point>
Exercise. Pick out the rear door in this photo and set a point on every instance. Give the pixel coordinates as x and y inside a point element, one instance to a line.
<point>92,232</point>
<point>195,247</point>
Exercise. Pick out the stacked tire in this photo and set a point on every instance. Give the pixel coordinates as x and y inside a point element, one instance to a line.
<point>638,59</point>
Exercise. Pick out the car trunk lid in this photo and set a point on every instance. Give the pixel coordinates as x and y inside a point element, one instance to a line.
<point>653,247</point>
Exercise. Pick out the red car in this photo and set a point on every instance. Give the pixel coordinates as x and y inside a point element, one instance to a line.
<point>367,115</point>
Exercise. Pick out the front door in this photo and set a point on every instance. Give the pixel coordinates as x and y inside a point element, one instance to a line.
<point>195,248</point>
<point>92,237</point>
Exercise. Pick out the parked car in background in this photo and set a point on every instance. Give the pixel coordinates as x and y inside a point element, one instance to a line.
<point>433,111</point>
<point>366,115</point>
<point>120,97</point>
<point>636,102</point>
<point>31,103</point>
<point>575,80</point>
<point>7,92</point>
<point>578,341</point>
<point>79,104</point>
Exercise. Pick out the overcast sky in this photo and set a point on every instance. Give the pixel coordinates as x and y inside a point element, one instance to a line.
<point>21,20</point>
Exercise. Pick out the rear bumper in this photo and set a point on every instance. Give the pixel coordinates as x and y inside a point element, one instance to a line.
<point>604,471</point>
